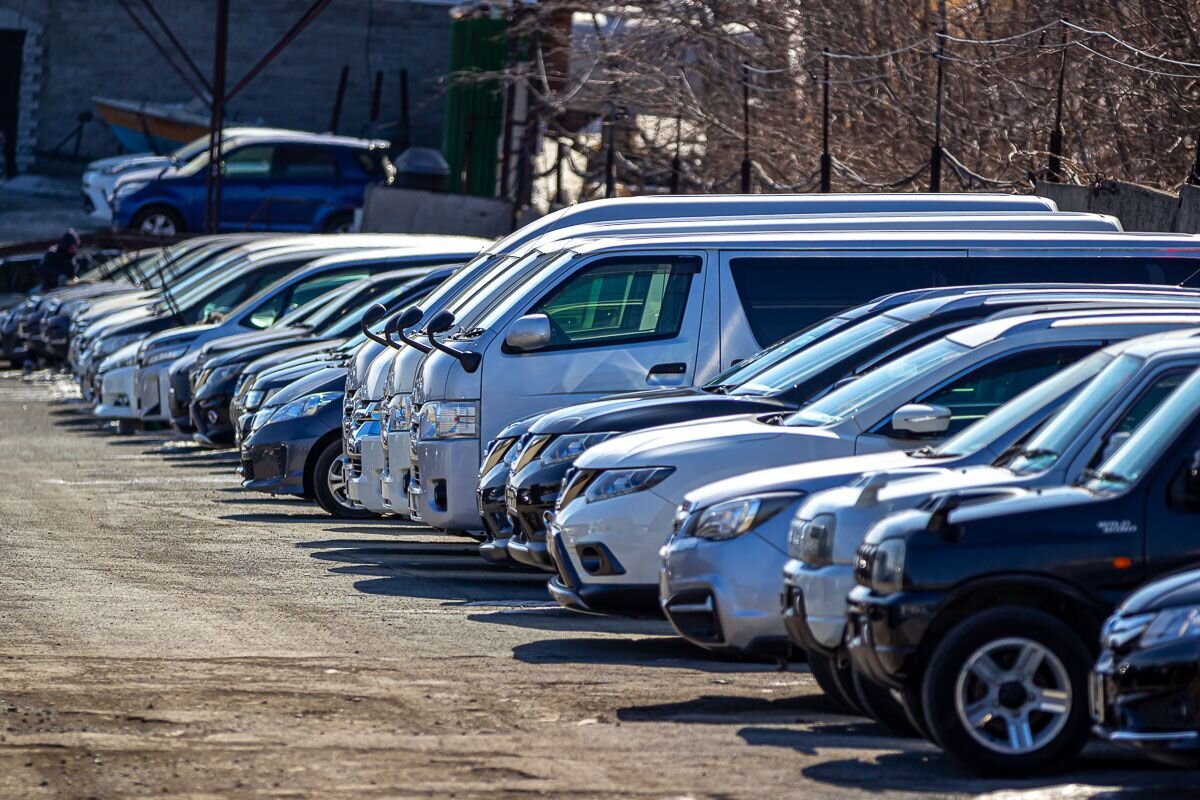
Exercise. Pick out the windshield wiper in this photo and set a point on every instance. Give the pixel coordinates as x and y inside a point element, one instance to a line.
<point>928,451</point>
<point>1106,477</point>
<point>721,388</point>
<point>1039,452</point>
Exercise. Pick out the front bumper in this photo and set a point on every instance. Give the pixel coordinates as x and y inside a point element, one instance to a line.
<point>152,396</point>
<point>179,395</point>
<point>489,502</point>
<point>631,528</point>
<point>274,458</point>
<point>885,632</point>
<point>1149,698</point>
<point>115,398</point>
<point>442,488</point>
<point>531,493</point>
<point>570,590</point>
<point>210,417</point>
<point>393,482</point>
<point>366,463</point>
<point>724,595</point>
<point>814,604</point>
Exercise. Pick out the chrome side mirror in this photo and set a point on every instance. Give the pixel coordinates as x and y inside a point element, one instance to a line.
<point>530,332</point>
<point>921,420</point>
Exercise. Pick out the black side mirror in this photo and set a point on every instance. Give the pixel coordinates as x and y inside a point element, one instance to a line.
<point>372,315</point>
<point>442,322</point>
<point>406,319</point>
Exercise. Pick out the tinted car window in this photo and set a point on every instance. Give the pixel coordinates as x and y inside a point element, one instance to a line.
<point>248,163</point>
<point>301,163</point>
<point>1087,270</point>
<point>619,301</point>
<point>783,295</point>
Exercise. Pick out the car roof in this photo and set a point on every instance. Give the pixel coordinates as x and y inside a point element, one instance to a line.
<point>283,136</point>
<point>732,205</point>
<point>1165,345</point>
<point>992,330</point>
<point>1180,244</point>
<point>1015,299</point>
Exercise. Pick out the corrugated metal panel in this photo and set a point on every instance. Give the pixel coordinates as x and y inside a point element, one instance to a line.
<point>475,111</point>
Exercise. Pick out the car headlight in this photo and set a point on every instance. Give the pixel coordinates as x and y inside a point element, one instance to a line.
<point>617,482</point>
<point>112,344</point>
<point>811,540</point>
<point>1172,624</point>
<point>165,354</point>
<point>449,420</point>
<point>496,452</point>
<point>568,448</point>
<point>887,567</point>
<point>129,187</point>
<point>399,413</point>
<point>262,417</point>
<point>305,406</point>
<point>732,518</point>
<point>253,399</point>
<point>225,373</point>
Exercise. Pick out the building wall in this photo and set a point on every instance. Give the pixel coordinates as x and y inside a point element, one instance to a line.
<point>83,48</point>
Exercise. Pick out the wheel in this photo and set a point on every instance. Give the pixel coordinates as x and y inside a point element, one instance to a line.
<point>158,221</point>
<point>339,223</point>
<point>881,705</point>
<point>1005,692</point>
<point>329,483</point>
<point>835,680</point>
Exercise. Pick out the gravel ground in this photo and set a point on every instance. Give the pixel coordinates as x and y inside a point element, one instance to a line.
<point>163,634</point>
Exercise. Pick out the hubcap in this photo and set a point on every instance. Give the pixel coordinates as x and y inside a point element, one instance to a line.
<point>336,480</point>
<point>158,225</point>
<point>1013,695</point>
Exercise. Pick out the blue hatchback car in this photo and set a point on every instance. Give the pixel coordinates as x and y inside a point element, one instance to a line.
<point>293,181</point>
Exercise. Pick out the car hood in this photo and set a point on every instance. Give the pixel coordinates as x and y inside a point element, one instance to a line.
<point>329,379</point>
<point>173,336</point>
<point>1181,589</point>
<point>246,353</point>
<point>279,357</point>
<point>129,161</point>
<point>240,340</point>
<point>649,409</point>
<point>716,439</point>
<point>808,476</point>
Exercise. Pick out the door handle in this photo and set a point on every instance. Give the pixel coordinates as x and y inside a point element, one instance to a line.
<point>673,368</point>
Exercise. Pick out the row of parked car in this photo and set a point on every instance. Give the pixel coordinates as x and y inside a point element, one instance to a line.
<point>935,445</point>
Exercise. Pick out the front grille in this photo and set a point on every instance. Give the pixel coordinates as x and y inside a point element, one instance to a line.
<point>695,615</point>
<point>247,469</point>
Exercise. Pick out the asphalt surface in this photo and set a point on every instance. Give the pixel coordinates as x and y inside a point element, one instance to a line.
<point>163,634</point>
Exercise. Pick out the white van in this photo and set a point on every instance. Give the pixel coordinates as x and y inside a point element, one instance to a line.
<point>615,315</point>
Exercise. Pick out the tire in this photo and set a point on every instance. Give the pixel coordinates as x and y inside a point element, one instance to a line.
<point>835,681</point>
<point>881,705</point>
<point>1029,720</point>
<point>326,491</point>
<point>338,223</point>
<point>158,221</point>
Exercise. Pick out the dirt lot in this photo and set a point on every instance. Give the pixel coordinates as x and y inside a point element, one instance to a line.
<point>162,634</point>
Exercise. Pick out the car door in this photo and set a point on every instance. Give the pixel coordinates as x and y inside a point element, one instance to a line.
<point>1172,506</point>
<point>618,324</point>
<point>245,188</point>
<point>975,392</point>
<point>302,179</point>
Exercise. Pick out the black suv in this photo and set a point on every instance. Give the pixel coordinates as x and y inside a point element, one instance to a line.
<point>982,611</point>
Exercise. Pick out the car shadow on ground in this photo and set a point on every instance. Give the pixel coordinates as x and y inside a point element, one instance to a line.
<point>656,651</point>
<point>446,571</point>
<point>916,767</point>
<point>553,617</point>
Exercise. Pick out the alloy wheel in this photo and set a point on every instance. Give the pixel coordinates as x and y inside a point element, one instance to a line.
<point>337,482</point>
<point>158,224</point>
<point>1013,695</point>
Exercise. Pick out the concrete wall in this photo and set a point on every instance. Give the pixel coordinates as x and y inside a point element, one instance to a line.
<point>387,210</point>
<point>1138,207</point>
<point>90,47</point>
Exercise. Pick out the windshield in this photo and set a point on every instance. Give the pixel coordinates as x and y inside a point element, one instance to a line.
<point>846,401</point>
<point>1150,440</point>
<point>742,371</point>
<point>190,150</point>
<point>316,311</point>
<point>1045,447</point>
<point>348,323</point>
<point>462,280</point>
<point>500,302</point>
<point>784,373</point>
<point>1025,405</point>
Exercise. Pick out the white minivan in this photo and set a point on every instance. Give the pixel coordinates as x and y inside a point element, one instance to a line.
<point>615,315</point>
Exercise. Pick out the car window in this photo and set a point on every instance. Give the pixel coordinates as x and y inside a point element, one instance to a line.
<point>248,163</point>
<point>619,301</point>
<point>1122,269</point>
<point>304,163</point>
<point>287,300</point>
<point>782,295</point>
<point>234,292</point>
<point>974,395</point>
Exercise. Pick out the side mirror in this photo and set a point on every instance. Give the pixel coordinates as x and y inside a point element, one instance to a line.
<point>1114,443</point>
<point>406,319</point>
<point>530,332</point>
<point>921,420</point>
<point>372,315</point>
<point>441,322</point>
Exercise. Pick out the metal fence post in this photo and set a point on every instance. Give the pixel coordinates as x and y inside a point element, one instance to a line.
<point>826,156</point>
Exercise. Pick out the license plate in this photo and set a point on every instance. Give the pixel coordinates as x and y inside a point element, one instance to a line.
<point>1096,697</point>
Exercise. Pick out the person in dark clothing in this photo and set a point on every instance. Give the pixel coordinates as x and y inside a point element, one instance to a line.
<point>58,265</point>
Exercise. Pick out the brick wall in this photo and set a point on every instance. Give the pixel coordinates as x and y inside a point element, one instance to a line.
<point>90,47</point>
